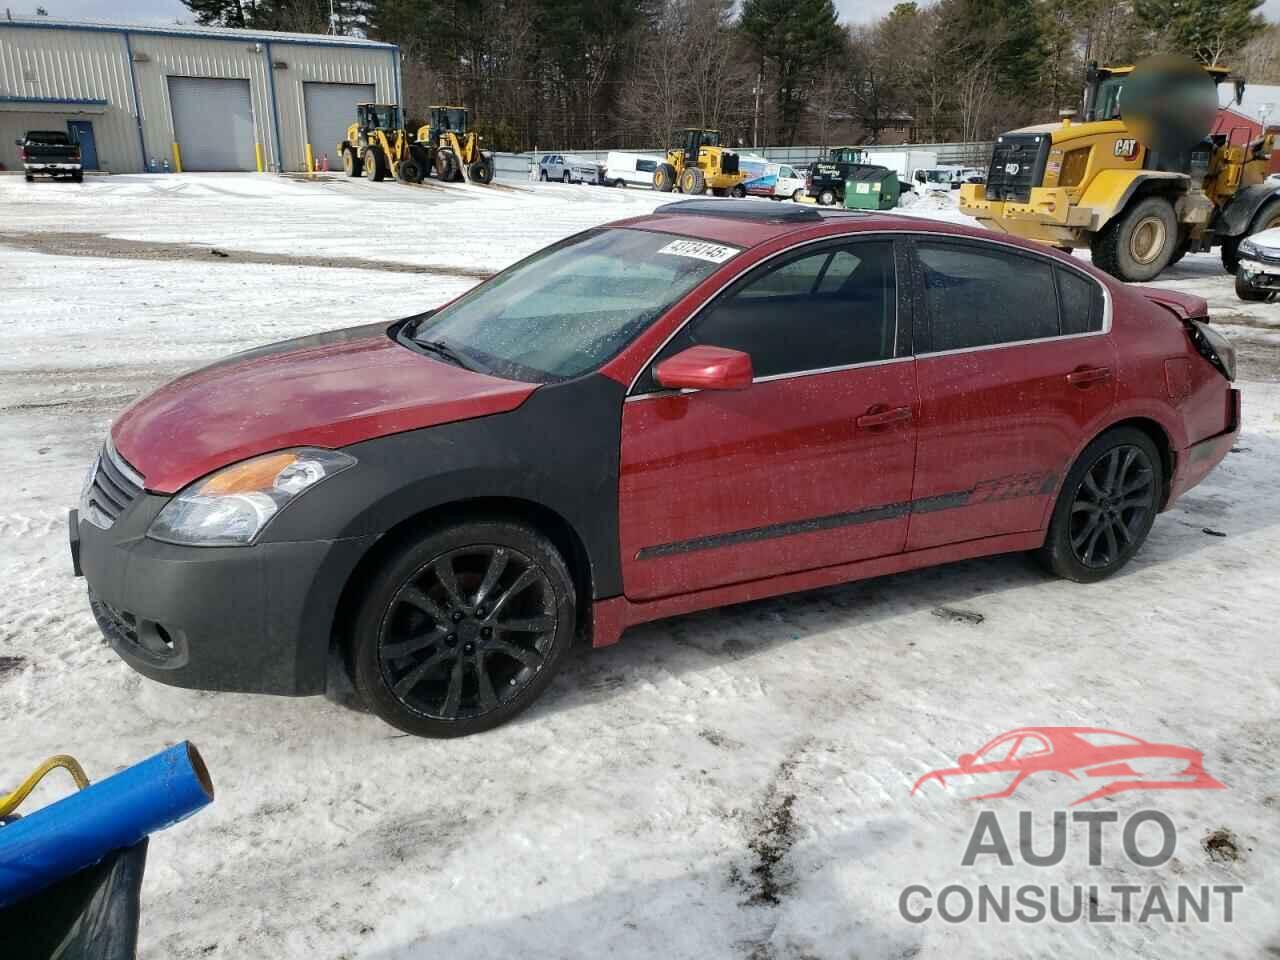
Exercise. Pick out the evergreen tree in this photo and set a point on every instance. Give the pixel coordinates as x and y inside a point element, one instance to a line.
<point>1206,29</point>
<point>794,38</point>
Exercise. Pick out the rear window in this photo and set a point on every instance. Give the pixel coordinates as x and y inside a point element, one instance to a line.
<point>50,137</point>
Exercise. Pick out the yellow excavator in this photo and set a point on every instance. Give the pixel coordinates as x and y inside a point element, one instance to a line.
<point>1122,185</point>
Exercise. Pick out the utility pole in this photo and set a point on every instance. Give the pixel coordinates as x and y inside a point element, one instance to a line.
<point>755,119</point>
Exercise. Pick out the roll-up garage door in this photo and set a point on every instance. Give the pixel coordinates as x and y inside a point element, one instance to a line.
<point>213,123</point>
<point>331,108</point>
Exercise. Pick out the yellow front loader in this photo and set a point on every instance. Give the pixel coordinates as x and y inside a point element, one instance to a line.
<point>700,164</point>
<point>1095,183</point>
<point>448,145</point>
<point>376,145</point>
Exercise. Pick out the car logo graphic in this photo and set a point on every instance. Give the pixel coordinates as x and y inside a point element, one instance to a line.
<point>1012,169</point>
<point>1117,762</point>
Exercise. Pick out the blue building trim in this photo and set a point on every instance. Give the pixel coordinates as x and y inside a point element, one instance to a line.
<point>275,110</point>
<point>137,100</point>
<point>197,35</point>
<point>74,101</point>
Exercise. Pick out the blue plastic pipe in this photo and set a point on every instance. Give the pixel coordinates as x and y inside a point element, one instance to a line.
<point>78,831</point>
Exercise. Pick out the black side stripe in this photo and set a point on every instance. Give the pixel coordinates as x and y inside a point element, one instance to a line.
<point>988,491</point>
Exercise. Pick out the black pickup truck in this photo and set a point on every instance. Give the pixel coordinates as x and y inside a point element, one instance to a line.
<point>49,152</point>
<point>825,182</point>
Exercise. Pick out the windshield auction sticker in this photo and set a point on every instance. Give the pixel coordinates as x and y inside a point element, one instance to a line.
<point>699,250</point>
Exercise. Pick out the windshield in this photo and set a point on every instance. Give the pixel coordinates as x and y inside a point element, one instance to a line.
<point>384,116</point>
<point>938,176</point>
<point>569,308</point>
<point>455,120</point>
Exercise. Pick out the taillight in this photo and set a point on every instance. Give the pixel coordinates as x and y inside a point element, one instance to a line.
<point>22,154</point>
<point>1213,346</point>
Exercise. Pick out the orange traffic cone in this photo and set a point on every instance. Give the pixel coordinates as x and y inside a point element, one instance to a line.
<point>324,163</point>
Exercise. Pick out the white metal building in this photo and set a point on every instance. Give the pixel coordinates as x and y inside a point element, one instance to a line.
<point>201,98</point>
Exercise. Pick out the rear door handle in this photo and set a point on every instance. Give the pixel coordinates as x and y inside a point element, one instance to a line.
<point>1082,378</point>
<point>884,418</point>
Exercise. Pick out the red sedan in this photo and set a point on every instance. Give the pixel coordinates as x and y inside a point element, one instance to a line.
<point>717,402</point>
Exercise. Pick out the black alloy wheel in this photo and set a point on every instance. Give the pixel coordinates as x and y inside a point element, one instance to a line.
<point>1106,507</point>
<point>1112,505</point>
<point>464,630</point>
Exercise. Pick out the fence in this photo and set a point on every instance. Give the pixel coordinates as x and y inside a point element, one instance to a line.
<point>517,166</point>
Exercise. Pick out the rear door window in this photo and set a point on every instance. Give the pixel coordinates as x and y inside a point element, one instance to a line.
<point>978,296</point>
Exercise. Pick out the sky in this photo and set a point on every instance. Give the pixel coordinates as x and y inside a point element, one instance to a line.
<point>166,11</point>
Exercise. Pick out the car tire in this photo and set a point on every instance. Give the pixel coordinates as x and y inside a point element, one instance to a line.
<point>566,178</point>
<point>827,198</point>
<point>1247,291</point>
<point>542,176</point>
<point>1138,244</point>
<point>78,177</point>
<point>796,195</point>
<point>29,177</point>
<point>1106,506</point>
<point>738,191</point>
<point>620,184</point>
<point>422,638</point>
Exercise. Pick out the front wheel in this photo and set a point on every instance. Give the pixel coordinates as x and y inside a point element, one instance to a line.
<point>566,178</point>
<point>464,629</point>
<point>1139,243</point>
<point>351,164</point>
<point>827,198</point>
<point>1247,291</point>
<point>664,178</point>
<point>1106,507</point>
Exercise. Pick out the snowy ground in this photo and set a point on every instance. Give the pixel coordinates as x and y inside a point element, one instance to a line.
<point>729,784</point>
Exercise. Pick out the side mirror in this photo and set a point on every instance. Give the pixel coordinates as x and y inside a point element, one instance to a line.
<point>19,142</point>
<point>705,368</point>
<point>966,760</point>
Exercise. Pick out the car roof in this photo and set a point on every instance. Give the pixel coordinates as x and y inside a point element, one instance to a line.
<point>749,223</point>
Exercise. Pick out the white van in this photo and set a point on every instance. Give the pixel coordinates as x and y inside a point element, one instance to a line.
<point>630,169</point>
<point>779,181</point>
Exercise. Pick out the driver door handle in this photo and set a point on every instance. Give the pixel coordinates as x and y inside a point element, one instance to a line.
<point>884,418</point>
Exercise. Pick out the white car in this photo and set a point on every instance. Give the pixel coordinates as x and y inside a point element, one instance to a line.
<point>1258,274</point>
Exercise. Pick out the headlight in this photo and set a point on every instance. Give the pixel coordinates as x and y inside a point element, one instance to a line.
<point>234,505</point>
<point>1248,248</point>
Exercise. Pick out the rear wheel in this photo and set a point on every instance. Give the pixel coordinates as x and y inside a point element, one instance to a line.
<point>77,177</point>
<point>566,178</point>
<point>1106,507</point>
<point>481,171</point>
<point>693,181</point>
<point>796,195</point>
<point>351,164</point>
<point>827,197</point>
<point>738,191</point>
<point>542,175</point>
<point>464,629</point>
<point>1138,244</point>
<point>664,177</point>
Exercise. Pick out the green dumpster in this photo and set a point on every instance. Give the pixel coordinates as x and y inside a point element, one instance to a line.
<point>871,188</point>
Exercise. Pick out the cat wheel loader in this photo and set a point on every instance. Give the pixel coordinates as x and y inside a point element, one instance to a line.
<point>700,164</point>
<point>1140,189</point>
<point>377,144</point>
